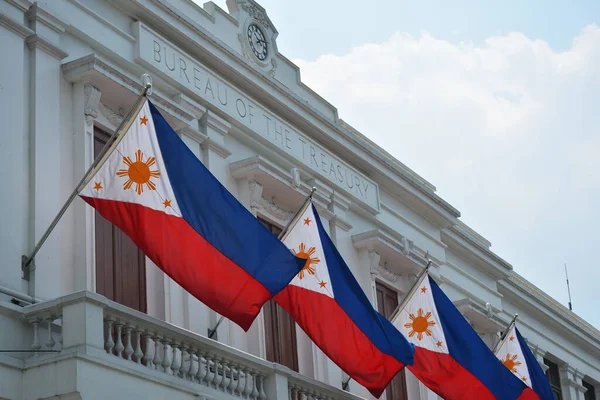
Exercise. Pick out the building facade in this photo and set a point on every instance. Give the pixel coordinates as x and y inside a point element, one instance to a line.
<point>95,318</point>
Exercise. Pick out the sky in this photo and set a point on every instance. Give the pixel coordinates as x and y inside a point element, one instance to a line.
<point>495,103</point>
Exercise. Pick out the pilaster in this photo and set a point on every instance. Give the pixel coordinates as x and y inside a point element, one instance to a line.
<point>45,146</point>
<point>539,356</point>
<point>571,383</point>
<point>86,103</point>
<point>14,152</point>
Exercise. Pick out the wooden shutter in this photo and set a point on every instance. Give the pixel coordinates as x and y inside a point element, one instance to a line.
<point>387,302</point>
<point>120,265</point>
<point>280,328</point>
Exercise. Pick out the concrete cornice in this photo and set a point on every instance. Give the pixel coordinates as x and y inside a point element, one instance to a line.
<point>15,26</point>
<point>394,249</point>
<point>90,66</point>
<point>521,291</point>
<point>485,259</point>
<point>37,42</point>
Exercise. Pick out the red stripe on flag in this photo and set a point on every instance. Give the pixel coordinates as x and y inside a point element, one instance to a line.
<point>330,328</point>
<point>188,259</point>
<point>446,377</point>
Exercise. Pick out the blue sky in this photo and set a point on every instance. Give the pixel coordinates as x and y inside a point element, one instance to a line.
<point>496,105</point>
<point>311,28</point>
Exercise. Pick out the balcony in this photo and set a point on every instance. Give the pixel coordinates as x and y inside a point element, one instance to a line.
<point>86,347</point>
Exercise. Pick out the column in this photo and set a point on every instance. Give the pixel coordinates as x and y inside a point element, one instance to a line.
<point>86,101</point>
<point>571,385</point>
<point>14,151</point>
<point>45,151</point>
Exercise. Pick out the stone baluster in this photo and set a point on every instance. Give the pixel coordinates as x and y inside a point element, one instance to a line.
<point>261,393</point>
<point>175,361</point>
<point>210,376</point>
<point>202,373</point>
<point>218,378</point>
<point>166,362</point>
<point>36,345</point>
<point>239,388</point>
<point>232,382</point>
<point>247,387</point>
<point>50,342</point>
<point>60,336</point>
<point>147,360</point>
<point>254,393</point>
<point>225,380</point>
<point>109,343</point>
<point>194,367</point>
<point>138,353</point>
<point>157,361</point>
<point>185,367</point>
<point>119,345</point>
<point>128,346</point>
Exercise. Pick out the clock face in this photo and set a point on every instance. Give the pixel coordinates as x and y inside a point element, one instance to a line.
<point>257,42</point>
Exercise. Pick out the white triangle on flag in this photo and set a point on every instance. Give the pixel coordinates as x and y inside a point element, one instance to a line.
<point>419,320</point>
<point>511,355</point>
<point>135,171</point>
<point>304,240</point>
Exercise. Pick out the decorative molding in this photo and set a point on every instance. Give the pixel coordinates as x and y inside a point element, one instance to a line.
<point>96,69</point>
<point>256,190</point>
<point>273,69</point>
<point>374,258</point>
<point>114,117</point>
<point>218,148</point>
<point>15,26</point>
<point>477,316</point>
<point>92,101</point>
<point>274,209</point>
<point>35,41</point>
<point>39,14</point>
<point>244,44</point>
<point>257,14</point>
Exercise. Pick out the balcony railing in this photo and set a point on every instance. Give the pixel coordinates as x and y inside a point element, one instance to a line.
<point>86,323</point>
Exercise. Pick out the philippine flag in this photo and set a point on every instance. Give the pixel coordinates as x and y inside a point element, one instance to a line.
<point>330,306</point>
<point>450,358</point>
<point>515,354</point>
<point>160,194</point>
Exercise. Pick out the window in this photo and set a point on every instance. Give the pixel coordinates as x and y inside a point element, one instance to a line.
<point>554,378</point>
<point>280,328</point>
<point>387,302</point>
<point>590,394</point>
<point>120,265</point>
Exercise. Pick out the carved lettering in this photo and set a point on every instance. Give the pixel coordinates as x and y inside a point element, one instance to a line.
<point>240,105</point>
<point>179,67</point>
<point>182,68</point>
<point>208,88</point>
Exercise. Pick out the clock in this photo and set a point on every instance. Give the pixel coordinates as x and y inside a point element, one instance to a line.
<point>257,41</point>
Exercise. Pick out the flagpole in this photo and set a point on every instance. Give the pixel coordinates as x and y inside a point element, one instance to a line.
<point>27,264</point>
<point>503,336</point>
<point>401,306</point>
<point>281,236</point>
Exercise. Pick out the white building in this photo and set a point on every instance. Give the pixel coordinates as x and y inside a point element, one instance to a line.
<point>70,70</point>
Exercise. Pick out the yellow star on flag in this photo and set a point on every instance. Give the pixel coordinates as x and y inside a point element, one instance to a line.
<point>98,186</point>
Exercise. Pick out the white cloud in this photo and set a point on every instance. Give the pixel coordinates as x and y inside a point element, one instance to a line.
<point>507,131</point>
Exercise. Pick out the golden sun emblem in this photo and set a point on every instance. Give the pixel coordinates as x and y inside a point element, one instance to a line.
<point>420,324</point>
<point>310,260</point>
<point>511,362</point>
<point>139,172</point>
